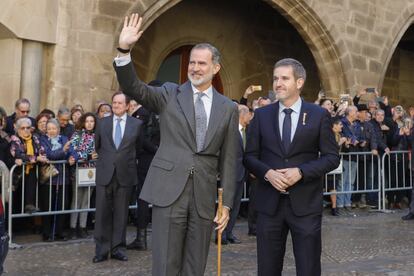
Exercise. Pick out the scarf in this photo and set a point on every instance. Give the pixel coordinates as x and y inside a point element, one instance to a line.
<point>29,151</point>
<point>55,143</point>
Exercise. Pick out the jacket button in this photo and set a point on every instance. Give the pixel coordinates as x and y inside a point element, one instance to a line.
<point>286,160</point>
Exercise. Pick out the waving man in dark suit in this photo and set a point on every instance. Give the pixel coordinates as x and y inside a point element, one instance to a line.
<point>199,132</point>
<point>290,146</point>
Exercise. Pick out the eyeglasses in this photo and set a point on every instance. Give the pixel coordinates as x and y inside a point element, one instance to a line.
<point>25,111</point>
<point>25,128</point>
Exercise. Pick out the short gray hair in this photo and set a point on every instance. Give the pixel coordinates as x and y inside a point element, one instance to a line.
<point>299,71</point>
<point>378,111</point>
<point>63,110</point>
<point>243,109</point>
<point>21,101</point>
<point>55,122</point>
<point>349,109</point>
<point>22,121</point>
<point>214,52</point>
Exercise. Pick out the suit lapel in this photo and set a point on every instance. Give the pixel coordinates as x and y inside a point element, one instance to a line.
<point>186,102</point>
<point>275,115</point>
<point>109,130</point>
<point>216,116</point>
<point>126,131</point>
<point>301,124</point>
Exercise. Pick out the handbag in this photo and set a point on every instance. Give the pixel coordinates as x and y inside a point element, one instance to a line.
<point>47,172</point>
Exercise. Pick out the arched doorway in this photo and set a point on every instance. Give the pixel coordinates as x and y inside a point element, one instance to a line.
<point>221,22</point>
<point>174,68</point>
<point>398,81</point>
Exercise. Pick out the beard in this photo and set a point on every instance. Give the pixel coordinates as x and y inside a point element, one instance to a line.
<point>196,82</point>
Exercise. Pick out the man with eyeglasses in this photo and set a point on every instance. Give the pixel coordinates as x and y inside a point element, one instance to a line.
<point>22,110</point>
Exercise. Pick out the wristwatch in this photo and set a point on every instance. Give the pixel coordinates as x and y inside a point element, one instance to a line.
<point>124,51</point>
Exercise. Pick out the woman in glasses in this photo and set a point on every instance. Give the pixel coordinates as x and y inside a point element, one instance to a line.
<point>26,149</point>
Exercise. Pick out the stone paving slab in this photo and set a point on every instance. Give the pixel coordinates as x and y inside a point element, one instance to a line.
<point>368,244</point>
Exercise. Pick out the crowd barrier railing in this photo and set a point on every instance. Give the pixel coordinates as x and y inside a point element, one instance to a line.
<point>358,173</point>
<point>79,176</point>
<point>396,174</point>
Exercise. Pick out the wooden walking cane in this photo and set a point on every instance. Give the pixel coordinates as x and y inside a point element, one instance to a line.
<point>219,212</point>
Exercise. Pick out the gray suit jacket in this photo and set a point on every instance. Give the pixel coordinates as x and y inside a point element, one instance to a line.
<point>122,161</point>
<point>177,154</point>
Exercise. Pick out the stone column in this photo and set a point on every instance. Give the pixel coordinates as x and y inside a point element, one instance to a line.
<point>31,79</point>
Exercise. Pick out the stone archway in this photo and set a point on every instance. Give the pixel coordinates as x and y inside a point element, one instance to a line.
<point>400,29</point>
<point>300,15</point>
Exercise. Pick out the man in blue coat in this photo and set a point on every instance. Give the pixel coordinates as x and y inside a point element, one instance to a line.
<point>290,147</point>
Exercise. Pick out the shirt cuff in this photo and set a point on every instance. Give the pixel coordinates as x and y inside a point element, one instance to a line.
<point>123,60</point>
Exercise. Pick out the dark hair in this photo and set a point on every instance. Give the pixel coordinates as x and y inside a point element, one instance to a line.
<point>73,110</point>
<point>214,52</point>
<point>42,115</point>
<point>101,105</point>
<point>322,101</point>
<point>299,71</point>
<point>127,98</point>
<point>81,122</point>
<point>48,111</point>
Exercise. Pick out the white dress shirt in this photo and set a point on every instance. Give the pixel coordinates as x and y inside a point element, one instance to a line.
<point>122,123</point>
<point>122,60</point>
<point>207,99</point>
<point>294,115</point>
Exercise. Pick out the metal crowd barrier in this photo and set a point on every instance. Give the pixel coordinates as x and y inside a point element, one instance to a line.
<point>372,176</point>
<point>358,173</point>
<point>396,173</point>
<point>64,186</point>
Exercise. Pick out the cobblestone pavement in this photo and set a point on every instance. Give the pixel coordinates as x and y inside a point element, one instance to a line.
<point>368,244</point>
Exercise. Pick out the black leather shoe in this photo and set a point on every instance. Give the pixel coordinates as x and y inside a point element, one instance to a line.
<point>233,240</point>
<point>98,259</point>
<point>119,256</point>
<point>409,216</point>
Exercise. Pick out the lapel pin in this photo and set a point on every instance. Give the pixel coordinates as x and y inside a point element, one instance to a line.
<point>304,119</point>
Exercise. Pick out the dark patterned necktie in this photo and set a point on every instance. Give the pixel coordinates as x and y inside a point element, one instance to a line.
<point>287,129</point>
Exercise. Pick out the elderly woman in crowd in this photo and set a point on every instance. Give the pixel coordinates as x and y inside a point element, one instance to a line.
<point>41,121</point>
<point>83,144</point>
<point>26,148</point>
<point>57,147</point>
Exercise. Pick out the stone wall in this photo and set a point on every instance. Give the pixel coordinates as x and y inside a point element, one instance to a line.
<point>350,43</point>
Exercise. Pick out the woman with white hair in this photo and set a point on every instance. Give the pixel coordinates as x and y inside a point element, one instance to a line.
<point>57,148</point>
<point>26,149</point>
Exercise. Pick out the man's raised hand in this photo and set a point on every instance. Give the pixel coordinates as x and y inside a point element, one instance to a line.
<point>130,32</point>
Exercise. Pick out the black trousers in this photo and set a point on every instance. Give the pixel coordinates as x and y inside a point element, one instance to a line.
<point>112,202</point>
<point>142,212</point>
<point>252,214</point>
<point>272,232</point>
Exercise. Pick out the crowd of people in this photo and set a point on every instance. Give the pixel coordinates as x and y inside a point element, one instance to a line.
<point>33,142</point>
<point>363,131</point>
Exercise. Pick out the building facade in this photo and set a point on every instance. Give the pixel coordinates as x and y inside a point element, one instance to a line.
<point>60,52</point>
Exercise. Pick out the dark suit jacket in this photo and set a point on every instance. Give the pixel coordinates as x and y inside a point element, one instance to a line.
<point>121,160</point>
<point>313,149</point>
<point>177,154</point>
<point>240,170</point>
